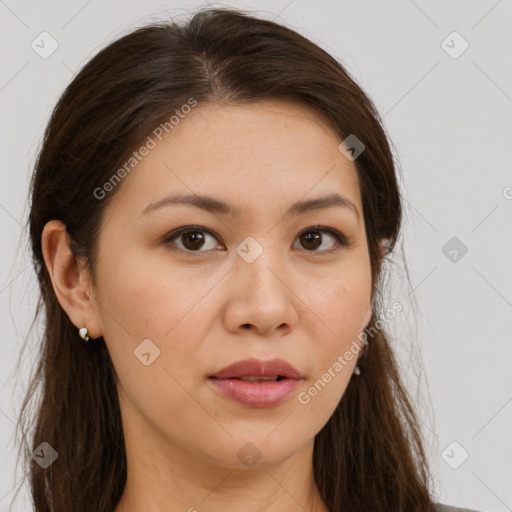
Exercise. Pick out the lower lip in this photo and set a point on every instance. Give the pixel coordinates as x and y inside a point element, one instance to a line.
<point>256,394</point>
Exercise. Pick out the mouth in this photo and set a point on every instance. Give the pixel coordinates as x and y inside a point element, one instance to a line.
<point>257,383</point>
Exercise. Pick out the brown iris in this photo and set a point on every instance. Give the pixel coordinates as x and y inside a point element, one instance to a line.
<point>196,237</point>
<point>311,237</point>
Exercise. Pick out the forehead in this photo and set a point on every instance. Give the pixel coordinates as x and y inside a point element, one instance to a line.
<point>255,155</point>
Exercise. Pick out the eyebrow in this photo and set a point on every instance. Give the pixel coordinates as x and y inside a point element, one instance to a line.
<point>216,206</point>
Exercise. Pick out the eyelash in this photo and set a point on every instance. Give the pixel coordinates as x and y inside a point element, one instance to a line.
<point>341,240</point>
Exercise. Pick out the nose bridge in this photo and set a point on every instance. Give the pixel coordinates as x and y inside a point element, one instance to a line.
<point>262,295</point>
<point>260,267</point>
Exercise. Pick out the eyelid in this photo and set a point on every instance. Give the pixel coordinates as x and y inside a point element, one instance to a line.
<point>341,239</point>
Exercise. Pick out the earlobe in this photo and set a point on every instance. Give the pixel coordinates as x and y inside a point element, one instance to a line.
<point>68,278</point>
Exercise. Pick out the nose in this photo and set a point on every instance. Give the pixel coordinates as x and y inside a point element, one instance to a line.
<point>261,296</point>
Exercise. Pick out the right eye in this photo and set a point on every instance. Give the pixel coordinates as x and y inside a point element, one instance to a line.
<point>192,238</point>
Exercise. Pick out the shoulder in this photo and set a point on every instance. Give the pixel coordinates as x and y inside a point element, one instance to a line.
<point>448,508</point>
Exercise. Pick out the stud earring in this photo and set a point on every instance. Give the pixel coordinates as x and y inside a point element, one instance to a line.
<point>357,371</point>
<point>83,334</point>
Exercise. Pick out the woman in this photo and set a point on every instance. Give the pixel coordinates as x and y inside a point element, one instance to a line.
<point>211,210</point>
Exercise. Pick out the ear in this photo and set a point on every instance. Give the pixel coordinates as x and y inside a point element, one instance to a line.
<point>70,281</point>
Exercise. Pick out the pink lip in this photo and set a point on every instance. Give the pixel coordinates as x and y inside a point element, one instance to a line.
<point>257,394</point>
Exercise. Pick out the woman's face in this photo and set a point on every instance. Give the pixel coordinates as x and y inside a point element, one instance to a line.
<point>260,282</point>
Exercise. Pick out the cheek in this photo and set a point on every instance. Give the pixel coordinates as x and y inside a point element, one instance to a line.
<point>147,296</point>
<point>335,350</point>
<point>153,322</point>
<point>140,301</point>
<point>341,304</point>
<point>340,312</point>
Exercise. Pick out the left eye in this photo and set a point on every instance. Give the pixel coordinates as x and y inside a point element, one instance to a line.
<point>312,237</point>
<point>194,238</point>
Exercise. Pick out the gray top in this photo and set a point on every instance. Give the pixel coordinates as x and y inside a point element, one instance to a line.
<point>449,508</point>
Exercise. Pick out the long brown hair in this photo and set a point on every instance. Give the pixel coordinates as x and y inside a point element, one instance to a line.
<point>370,455</point>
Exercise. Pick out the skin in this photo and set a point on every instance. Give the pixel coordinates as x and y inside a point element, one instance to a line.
<point>296,301</point>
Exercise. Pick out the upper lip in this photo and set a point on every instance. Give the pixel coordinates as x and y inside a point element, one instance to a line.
<point>259,368</point>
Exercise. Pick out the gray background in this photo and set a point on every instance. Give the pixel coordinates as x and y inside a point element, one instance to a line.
<point>449,119</point>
